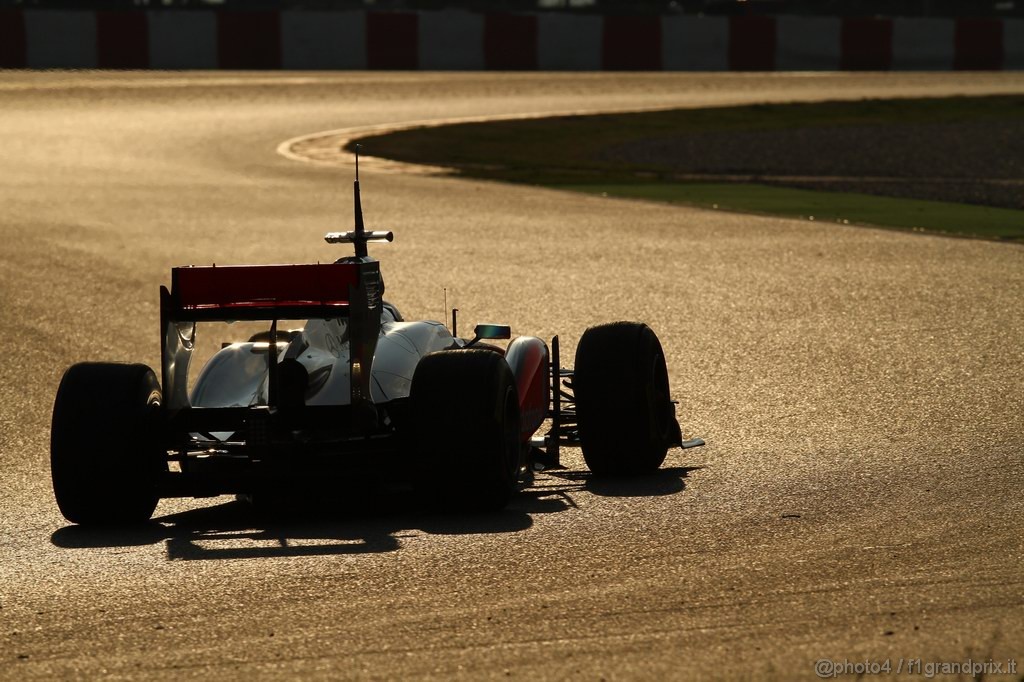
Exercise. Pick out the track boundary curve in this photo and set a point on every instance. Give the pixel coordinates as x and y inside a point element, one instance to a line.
<point>327,147</point>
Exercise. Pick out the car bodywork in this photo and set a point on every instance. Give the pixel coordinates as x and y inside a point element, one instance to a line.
<point>338,385</point>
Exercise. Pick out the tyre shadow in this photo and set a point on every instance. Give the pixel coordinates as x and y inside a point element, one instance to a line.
<point>665,481</point>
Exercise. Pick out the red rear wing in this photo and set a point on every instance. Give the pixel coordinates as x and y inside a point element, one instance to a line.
<point>261,291</point>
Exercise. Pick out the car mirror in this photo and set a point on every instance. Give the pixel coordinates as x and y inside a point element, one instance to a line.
<point>492,331</point>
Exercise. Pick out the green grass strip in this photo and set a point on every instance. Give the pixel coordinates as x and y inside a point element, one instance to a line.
<point>963,220</point>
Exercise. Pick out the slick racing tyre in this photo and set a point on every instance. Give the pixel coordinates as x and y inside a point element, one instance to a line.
<point>105,455</point>
<point>466,420</point>
<point>625,417</point>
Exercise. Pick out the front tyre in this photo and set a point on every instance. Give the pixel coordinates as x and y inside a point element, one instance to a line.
<point>105,454</point>
<point>466,427</point>
<point>625,416</point>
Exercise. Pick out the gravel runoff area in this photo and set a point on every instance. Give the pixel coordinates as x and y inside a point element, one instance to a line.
<point>975,162</point>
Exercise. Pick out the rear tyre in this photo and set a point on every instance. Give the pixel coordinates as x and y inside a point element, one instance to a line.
<point>625,416</point>
<point>466,427</point>
<point>105,453</point>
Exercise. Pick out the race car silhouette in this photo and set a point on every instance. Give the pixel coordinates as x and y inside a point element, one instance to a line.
<point>356,386</point>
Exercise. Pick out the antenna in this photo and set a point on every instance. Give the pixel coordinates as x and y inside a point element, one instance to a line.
<point>359,236</point>
<point>360,240</point>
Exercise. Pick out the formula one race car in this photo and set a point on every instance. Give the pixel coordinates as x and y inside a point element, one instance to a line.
<point>356,385</point>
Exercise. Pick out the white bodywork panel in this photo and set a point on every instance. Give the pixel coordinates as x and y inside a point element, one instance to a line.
<point>236,376</point>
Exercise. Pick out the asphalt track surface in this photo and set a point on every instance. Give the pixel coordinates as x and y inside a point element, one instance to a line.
<point>860,391</point>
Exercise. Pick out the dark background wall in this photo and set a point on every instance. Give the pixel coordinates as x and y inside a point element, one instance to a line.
<point>891,8</point>
<point>240,36</point>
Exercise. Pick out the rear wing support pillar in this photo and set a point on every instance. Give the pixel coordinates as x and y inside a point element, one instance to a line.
<point>367,304</point>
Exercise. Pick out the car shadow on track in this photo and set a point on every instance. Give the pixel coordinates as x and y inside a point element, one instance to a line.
<point>235,530</point>
<point>375,524</point>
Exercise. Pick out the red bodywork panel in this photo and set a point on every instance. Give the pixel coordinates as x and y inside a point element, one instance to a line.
<point>528,359</point>
<point>263,286</point>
